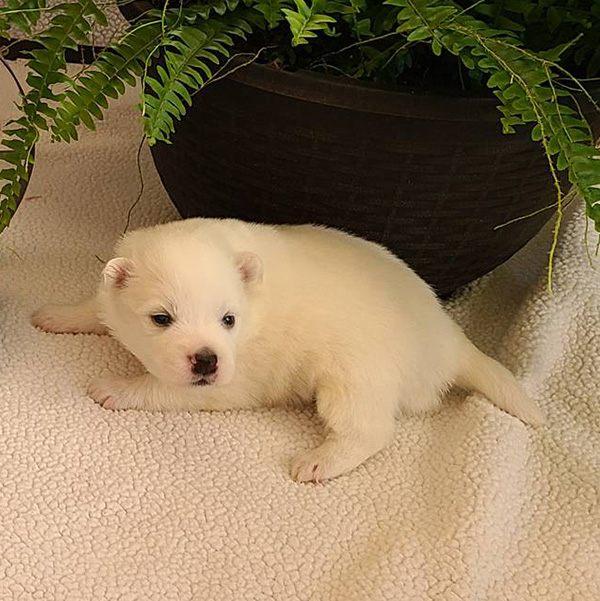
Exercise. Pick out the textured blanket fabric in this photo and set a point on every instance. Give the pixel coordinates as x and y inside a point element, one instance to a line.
<point>468,504</point>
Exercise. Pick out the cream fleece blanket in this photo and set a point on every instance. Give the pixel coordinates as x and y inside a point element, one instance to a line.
<point>468,504</point>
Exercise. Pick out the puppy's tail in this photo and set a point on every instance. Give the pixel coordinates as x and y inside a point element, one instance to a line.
<point>481,373</point>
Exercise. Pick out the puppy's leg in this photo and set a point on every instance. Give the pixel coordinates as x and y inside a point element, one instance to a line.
<point>147,393</point>
<point>138,392</point>
<point>70,319</point>
<point>360,421</point>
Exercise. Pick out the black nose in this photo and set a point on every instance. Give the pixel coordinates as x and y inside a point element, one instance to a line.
<point>204,363</point>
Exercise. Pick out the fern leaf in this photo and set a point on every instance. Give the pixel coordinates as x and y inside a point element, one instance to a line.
<point>70,25</point>
<point>114,70</point>
<point>271,10</point>
<point>187,71</point>
<point>20,14</point>
<point>306,20</point>
<point>209,8</point>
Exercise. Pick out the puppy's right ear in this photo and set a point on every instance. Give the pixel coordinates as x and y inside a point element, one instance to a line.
<point>250,267</point>
<point>117,272</point>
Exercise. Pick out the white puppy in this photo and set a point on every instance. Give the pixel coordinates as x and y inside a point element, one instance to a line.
<point>225,314</point>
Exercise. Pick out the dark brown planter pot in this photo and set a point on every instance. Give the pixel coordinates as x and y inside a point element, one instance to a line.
<point>429,176</point>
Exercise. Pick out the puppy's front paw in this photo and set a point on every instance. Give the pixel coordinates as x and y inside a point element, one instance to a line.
<point>108,392</point>
<point>52,318</point>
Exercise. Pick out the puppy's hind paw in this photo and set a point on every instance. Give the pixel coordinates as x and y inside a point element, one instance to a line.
<point>336,456</point>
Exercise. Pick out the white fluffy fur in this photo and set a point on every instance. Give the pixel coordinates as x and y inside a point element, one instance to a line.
<point>321,315</point>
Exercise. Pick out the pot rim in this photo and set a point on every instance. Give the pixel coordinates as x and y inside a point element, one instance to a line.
<point>364,98</point>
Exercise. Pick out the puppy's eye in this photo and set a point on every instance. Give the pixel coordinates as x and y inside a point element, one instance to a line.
<point>228,321</point>
<point>161,319</point>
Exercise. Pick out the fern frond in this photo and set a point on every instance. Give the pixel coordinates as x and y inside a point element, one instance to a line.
<point>209,8</point>
<point>187,58</point>
<point>113,71</point>
<point>271,10</point>
<point>306,20</point>
<point>69,26</point>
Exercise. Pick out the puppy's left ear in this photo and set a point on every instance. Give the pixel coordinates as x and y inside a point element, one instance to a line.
<point>250,267</point>
<point>117,272</point>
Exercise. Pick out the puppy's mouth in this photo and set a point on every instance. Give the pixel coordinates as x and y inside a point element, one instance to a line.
<point>203,381</point>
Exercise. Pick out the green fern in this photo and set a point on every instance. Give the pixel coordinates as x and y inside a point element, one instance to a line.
<point>187,57</point>
<point>271,10</point>
<point>113,71</point>
<point>192,43</point>
<point>208,9</point>
<point>306,21</point>
<point>68,27</point>
<point>170,35</point>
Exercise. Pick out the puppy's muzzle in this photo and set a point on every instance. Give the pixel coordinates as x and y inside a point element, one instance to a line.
<point>204,363</point>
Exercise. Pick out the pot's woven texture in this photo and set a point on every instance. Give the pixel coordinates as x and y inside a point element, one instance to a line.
<point>429,182</point>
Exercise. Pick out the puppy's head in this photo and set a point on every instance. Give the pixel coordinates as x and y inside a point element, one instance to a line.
<point>181,307</point>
